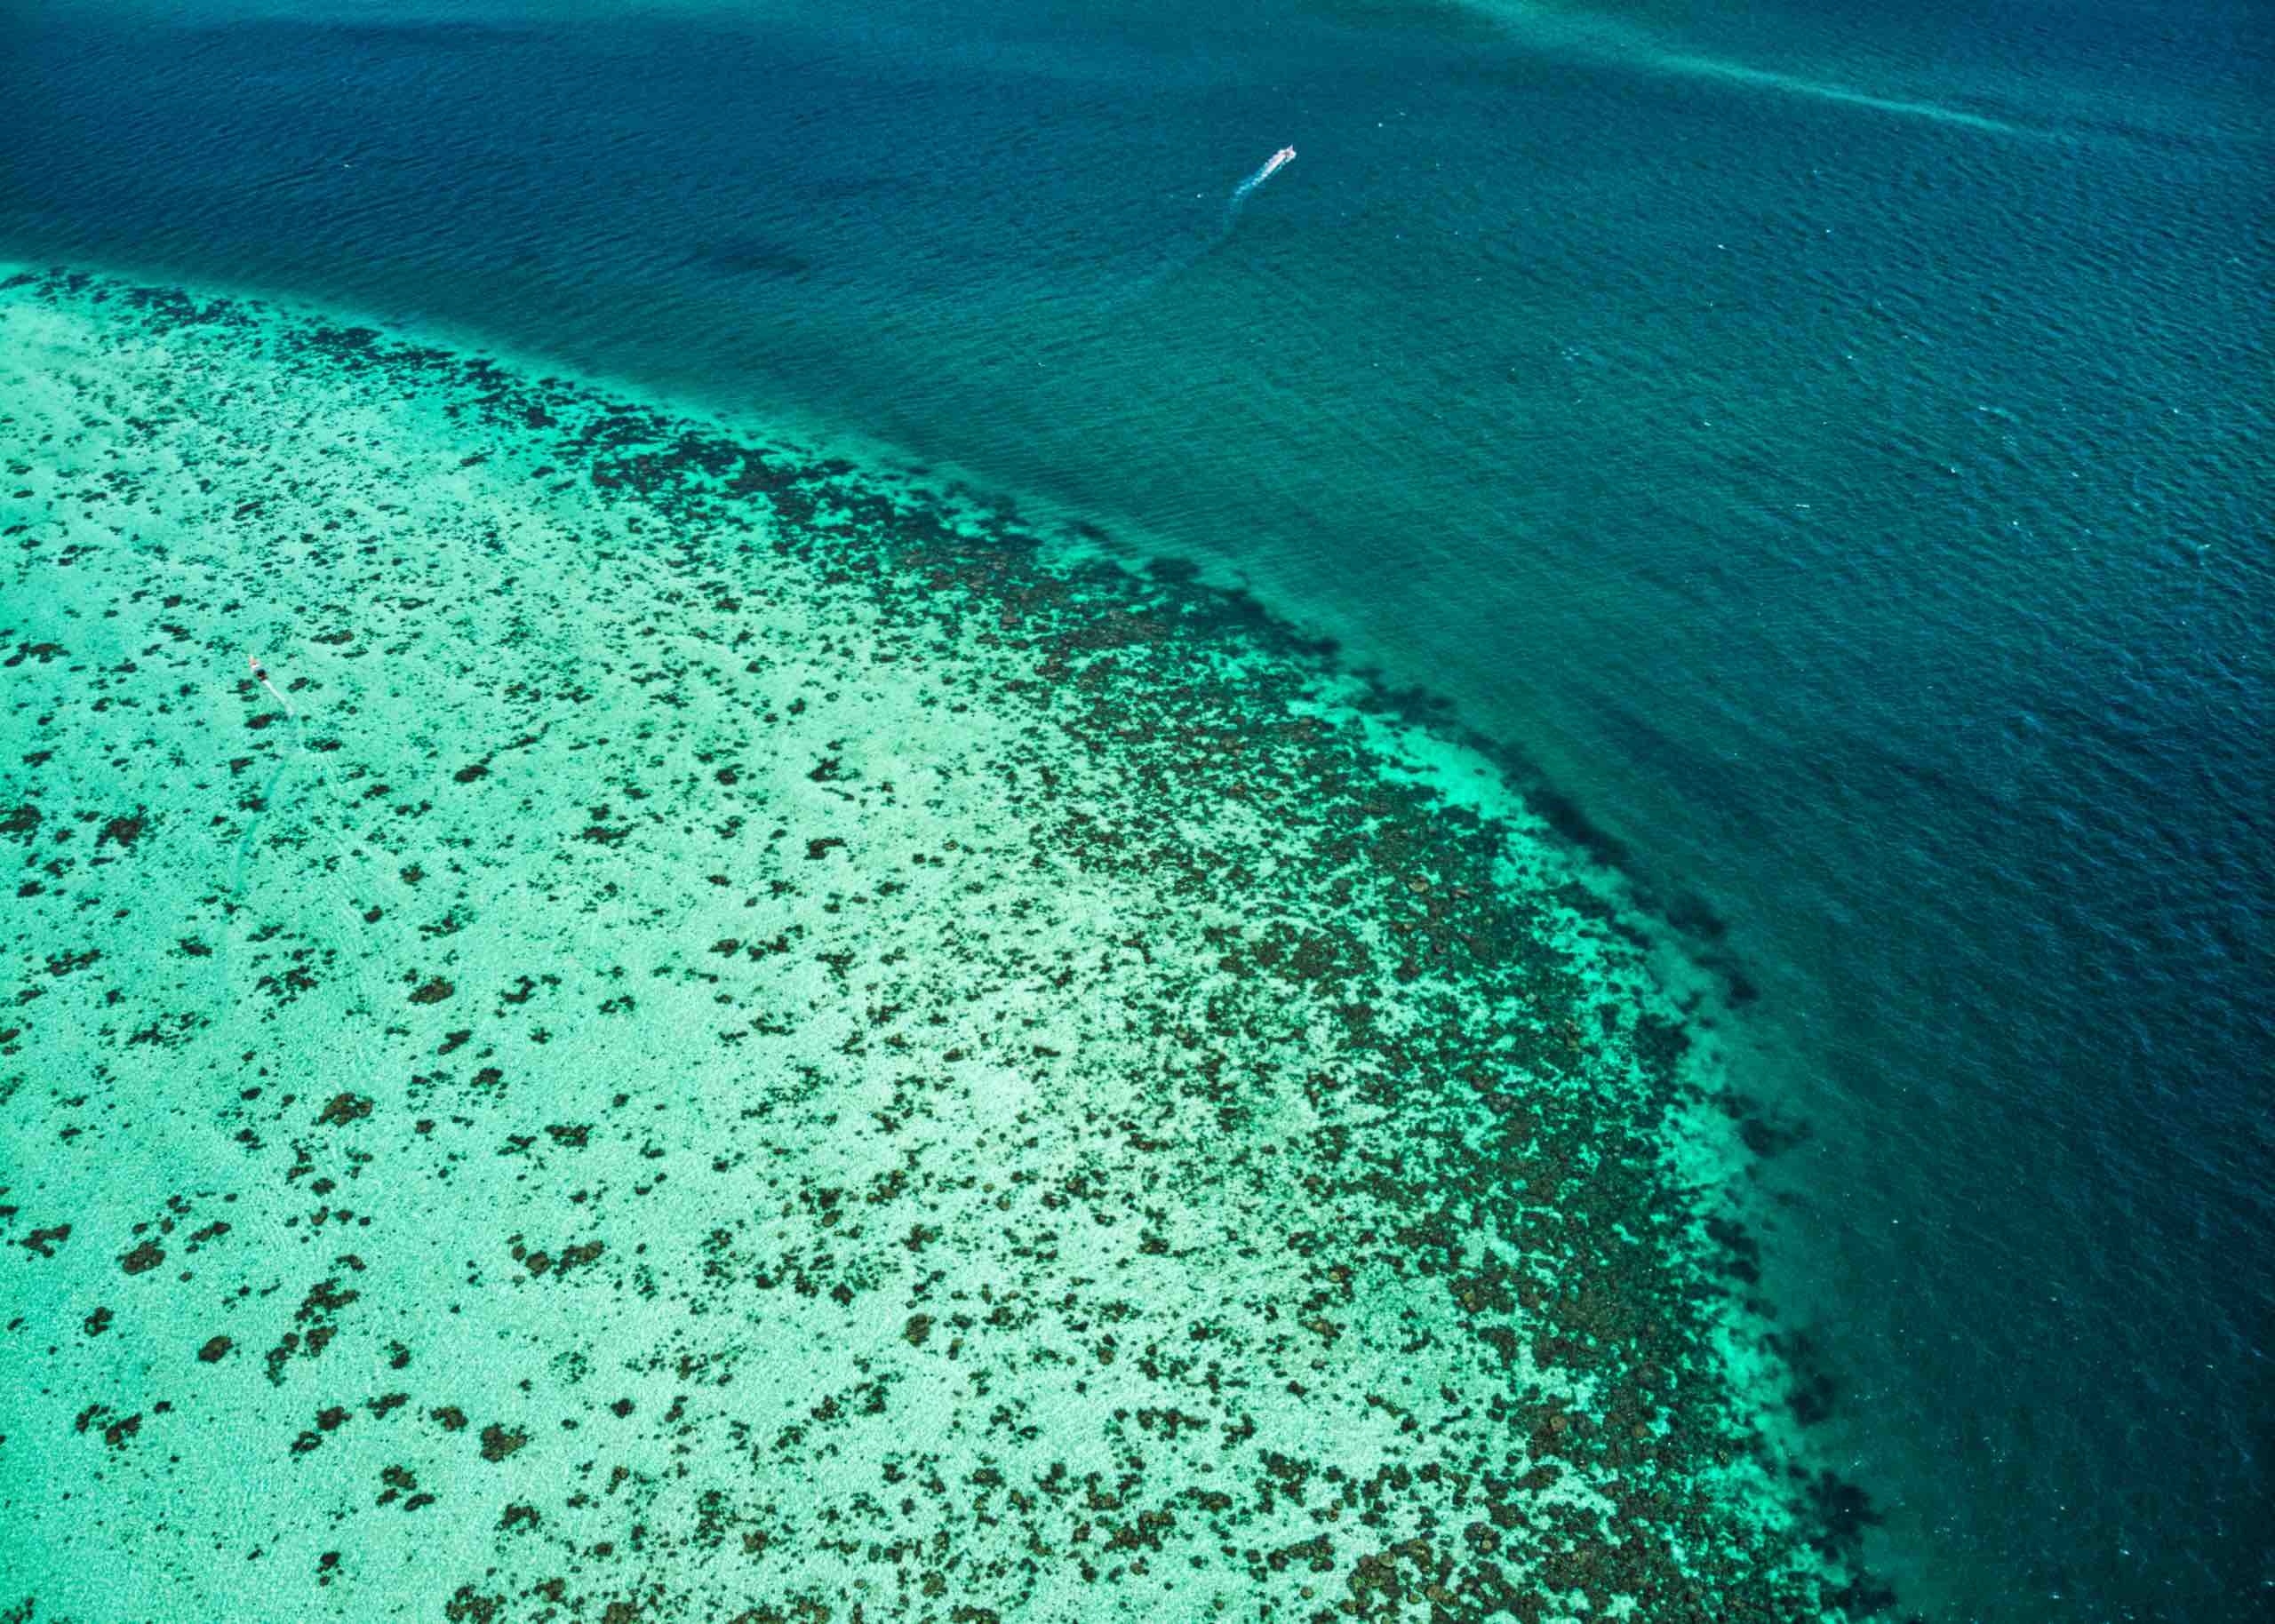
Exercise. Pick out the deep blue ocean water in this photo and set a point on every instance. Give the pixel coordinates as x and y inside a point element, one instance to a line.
<point>1826,446</point>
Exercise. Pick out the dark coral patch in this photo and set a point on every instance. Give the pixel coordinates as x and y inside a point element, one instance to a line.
<point>344,1108</point>
<point>498,1441</point>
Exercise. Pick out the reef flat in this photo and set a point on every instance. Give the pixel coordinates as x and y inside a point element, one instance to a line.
<point>735,1039</point>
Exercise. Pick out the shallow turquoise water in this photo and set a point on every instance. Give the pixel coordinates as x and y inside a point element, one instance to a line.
<point>845,1055</point>
<point>1826,450</point>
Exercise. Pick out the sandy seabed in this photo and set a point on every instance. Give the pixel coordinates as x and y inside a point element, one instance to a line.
<point>741,1039</point>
